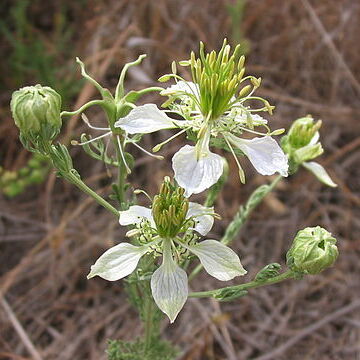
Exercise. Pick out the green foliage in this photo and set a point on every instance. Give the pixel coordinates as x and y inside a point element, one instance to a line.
<point>122,350</point>
<point>268,272</point>
<point>13,183</point>
<point>244,211</point>
<point>229,294</point>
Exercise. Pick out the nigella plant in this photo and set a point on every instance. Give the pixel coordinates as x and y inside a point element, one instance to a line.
<point>168,243</point>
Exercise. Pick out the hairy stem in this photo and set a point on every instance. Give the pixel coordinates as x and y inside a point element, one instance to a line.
<point>244,211</point>
<point>148,322</point>
<point>250,285</point>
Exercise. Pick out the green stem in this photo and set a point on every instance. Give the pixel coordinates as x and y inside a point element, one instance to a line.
<point>83,187</point>
<point>83,108</point>
<point>244,212</point>
<point>250,285</point>
<point>241,216</point>
<point>122,174</point>
<point>148,323</point>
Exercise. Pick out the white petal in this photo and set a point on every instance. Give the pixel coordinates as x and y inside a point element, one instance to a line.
<point>256,119</point>
<point>319,172</point>
<point>185,86</point>
<point>203,222</point>
<point>134,215</point>
<point>196,175</point>
<point>145,119</point>
<point>169,285</point>
<point>315,138</point>
<point>117,262</point>
<point>264,153</point>
<point>218,260</point>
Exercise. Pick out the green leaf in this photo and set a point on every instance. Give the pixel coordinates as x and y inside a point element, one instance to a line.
<point>230,293</point>
<point>268,272</point>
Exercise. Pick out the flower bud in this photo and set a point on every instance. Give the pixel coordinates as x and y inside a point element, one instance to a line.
<point>302,131</point>
<point>36,111</point>
<point>301,143</point>
<point>312,251</point>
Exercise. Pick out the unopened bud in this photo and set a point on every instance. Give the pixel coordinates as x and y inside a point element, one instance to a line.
<point>36,112</point>
<point>302,131</point>
<point>301,143</point>
<point>313,250</point>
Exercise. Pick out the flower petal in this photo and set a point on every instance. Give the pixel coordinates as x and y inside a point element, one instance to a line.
<point>184,86</point>
<point>315,138</point>
<point>320,173</point>
<point>196,175</point>
<point>256,119</point>
<point>169,285</point>
<point>218,260</point>
<point>203,221</point>
<point>264,153</point>
<point>145,119</point>
<point>117,262</point>
<point>135,215</point>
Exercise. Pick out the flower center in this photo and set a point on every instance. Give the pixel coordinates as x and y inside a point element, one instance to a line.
<point>169,209</point>
<point>218,76</point>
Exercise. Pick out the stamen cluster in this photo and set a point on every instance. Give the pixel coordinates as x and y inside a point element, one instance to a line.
<point>169,209</point>
<point>218,76</point>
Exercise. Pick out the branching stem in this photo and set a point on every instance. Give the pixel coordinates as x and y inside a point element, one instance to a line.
<point>250,285</point>
<point>83,187</point>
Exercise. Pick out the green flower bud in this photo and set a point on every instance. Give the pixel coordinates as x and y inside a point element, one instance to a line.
<point>301,143</point>
<point>169,209</point>
<point>36,111</point>
<point>302,131</point>
<point>312,251</point>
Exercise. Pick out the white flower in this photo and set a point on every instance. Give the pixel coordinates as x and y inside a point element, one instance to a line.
<point>169,284</point>
<point>196,168</point>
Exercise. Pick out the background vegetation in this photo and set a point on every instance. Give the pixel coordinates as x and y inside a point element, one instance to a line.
<point>308,54</point>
